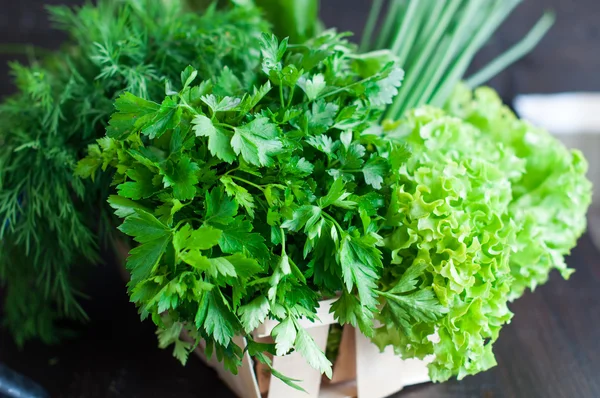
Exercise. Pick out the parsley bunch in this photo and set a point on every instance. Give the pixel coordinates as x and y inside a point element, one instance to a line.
<point>252,196</point>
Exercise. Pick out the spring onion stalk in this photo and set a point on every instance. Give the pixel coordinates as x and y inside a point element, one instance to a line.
<point>393,13</point>
<point>421,93</point>
<point>414,71</point>
<point>456,73</point>
<point>464,29</point>
<point>436,40</point>
<point>406,24</point>
<point>515,53</point>
<point>433,20</point>
<point>415,26</point>
<point>371,23</point>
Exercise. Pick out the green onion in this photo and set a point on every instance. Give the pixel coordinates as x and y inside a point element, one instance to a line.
<point>515,53</point>
<point>436,40</point>
<point>370,26</point>
<point>388,25</point>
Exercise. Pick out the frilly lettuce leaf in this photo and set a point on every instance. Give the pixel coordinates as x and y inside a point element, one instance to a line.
<point>486,207</point>
<point>449,217</point>
<point>551,198</point>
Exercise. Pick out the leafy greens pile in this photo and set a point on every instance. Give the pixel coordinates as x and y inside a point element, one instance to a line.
<point>262,178</point>
<point>254,197</point>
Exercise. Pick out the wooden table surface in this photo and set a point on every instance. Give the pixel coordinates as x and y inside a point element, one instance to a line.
<point>551,348</point>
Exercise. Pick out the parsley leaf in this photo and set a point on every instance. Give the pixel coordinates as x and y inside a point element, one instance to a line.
<point>132,112</point>
<point>153,237</point>
<point>241,194</point>
<point>254,313</point>
<point>202,238</point>
<point>257,141</point>
<point>305,216</point>
<point>222,105</point>
<point>374,171</point>
<point>299,167</point>
<point>143,226</point>
<point>219,321</point>
<point>315,357</point>
<point>218,138</point>
<point>348,309</point>
<point>141,187</point>
<point>284,335</point>
<point>237,238</point>
<point>312,87</point>
<point>227,83</point>
<point>360,264</point>
<point>182,177</point>
<point>272,52</point>
<point>220,209</point>
<point>167,117</point>
<point>321,116</point>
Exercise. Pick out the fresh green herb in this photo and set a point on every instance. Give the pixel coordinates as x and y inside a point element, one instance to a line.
<point>274,179</point>
<point>296,19</point>
<point>436,41</point>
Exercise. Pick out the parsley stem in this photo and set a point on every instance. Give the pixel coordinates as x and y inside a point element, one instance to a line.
<point>231,171</point>
<point>187,106</point>
<point>330,218</point>
<point>283,253</point>
<point>281,95</point>
<point>186,220</point>
<point>229,126</point>
<point>385,294</point>
<point>340,89</point>
<point>291,97</point>
<point>248,182</point>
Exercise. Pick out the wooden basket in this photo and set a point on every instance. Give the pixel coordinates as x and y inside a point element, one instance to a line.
<point>360,370</point>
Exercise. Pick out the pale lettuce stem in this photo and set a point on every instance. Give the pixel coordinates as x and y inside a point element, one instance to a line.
<point>515,53</point>
<point>370,25</point>
<point>392,16</point>
<point>458,69</point>
<point>415,71</point>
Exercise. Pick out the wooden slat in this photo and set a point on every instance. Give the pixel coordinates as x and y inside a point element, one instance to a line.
<point>296,367</point>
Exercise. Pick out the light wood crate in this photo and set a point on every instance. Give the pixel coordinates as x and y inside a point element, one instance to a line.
<point>360,370</point>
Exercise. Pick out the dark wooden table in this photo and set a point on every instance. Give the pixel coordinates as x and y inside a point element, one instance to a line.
<point>551,348</point>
